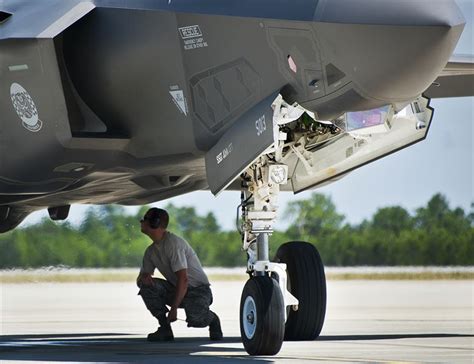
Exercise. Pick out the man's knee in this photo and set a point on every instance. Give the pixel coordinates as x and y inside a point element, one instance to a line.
<point>158,289</point>
<point>154,296</point>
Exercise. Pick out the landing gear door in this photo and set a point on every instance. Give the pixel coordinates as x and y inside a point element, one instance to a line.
<point>361,144</point>
<point>244,142</point>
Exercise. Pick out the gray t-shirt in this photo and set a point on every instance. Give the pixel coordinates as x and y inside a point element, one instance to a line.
<point>170,255</point>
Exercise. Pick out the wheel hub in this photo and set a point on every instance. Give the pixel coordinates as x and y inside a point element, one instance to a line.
<point>249,317</point>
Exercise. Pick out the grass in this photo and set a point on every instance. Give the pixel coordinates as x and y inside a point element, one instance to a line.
<point>98,277</point>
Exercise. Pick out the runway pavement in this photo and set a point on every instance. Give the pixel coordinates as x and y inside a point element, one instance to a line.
<point>367,321</point>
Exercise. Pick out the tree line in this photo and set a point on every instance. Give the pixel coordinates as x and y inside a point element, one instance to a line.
<point>434,234</point>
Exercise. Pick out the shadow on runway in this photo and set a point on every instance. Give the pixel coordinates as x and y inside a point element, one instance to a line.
<point>387,337</point>
<point>6,338</point>
<point>120,348</point>
<point>127,348</point>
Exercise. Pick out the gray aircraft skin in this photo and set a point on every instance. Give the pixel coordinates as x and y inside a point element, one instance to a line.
<point>125,101</point>
<point>135,101</point>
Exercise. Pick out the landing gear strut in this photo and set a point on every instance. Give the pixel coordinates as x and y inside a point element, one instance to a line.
<point>284,298</point>
<point>263,302</point>
<point>267,302</point>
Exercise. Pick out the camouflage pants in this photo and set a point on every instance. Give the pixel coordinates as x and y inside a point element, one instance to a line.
<point>196,302</point>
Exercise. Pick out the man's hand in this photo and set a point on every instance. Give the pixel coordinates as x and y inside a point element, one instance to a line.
<point>172,315</point>
<point>144,279</point>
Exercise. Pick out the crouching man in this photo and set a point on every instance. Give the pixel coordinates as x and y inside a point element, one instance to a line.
<point>185,284</point>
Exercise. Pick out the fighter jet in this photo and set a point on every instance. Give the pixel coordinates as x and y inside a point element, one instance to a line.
<point>135,101</point>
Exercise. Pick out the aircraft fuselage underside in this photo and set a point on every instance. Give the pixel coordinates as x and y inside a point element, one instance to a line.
<point>122,101</point>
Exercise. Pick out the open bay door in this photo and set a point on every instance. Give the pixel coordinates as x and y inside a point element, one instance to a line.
<point>240,146</point>
<point>318,153</point>
<point>314,152</point>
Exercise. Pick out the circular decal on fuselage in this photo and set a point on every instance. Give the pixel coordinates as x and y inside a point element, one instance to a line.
<point>25,108</point>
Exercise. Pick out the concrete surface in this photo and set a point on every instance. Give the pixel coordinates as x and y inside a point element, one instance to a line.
<point>367,321</point>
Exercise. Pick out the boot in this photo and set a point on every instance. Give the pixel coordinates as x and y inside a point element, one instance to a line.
<point>215,331</point>
<point>164,333</point>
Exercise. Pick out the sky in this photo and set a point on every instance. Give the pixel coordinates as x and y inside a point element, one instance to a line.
<point>442,163</point>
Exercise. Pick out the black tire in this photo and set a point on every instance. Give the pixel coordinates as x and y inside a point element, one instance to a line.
<point>263,332</point>
<point>307,282</point>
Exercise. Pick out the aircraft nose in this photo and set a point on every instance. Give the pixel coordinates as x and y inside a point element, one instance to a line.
<point>392,50</point>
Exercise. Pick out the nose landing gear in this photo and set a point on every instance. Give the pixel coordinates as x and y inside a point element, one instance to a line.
<point>269,310</point>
